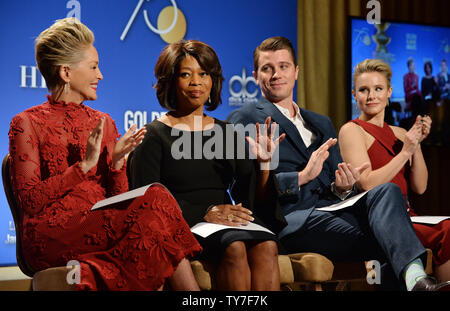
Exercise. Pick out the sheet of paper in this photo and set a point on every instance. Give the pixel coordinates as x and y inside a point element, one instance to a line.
<point>431,220</point>
<point>121,197</point>
<point>204,229</point>
<point>342,204</point>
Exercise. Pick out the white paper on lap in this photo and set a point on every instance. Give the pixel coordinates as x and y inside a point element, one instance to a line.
<point>429,220</point>
<point>342,204</point>
<point>122,197</point>
<point>204,229</point>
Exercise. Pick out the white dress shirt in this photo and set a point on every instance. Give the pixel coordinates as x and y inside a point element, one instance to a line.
<point>305,133</point>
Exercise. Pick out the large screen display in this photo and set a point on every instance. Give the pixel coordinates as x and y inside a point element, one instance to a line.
<point>418,55</point>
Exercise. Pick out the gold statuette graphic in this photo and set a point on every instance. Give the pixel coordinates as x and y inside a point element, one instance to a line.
<point>382,40</point>
<point>381,37</point>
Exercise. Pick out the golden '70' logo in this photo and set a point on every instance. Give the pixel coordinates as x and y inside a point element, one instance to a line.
<point>171,22</point>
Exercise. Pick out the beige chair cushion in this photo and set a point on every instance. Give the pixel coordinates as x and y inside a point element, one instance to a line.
<point>202,271</point>
<point>52,279</point>
<point>286,270</point>
<point>311,267</point>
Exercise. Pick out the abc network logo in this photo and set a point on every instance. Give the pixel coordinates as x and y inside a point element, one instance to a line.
<point>242,96</point>
<point>171,23</point>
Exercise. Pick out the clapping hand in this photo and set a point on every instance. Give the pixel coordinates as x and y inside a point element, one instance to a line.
<point>413,137</point>
<point>126,144</point>
<point>425,124</point>
<point>315,162</point>
<point>265,145</point>
<point>93,147</point>
<point>123,146</point>
<point>347,176</point>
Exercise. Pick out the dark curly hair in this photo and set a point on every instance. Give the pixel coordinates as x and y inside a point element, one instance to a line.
<point>168,66</point>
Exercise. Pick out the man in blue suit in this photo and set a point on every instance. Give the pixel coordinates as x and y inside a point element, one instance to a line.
<point>311,174</point>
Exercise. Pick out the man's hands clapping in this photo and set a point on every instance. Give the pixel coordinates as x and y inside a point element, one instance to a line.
<point>346,175</point>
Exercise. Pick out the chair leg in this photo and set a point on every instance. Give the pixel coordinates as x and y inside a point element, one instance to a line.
<point>286,287</point>
<point>317,287</point>
<point>342,286</point>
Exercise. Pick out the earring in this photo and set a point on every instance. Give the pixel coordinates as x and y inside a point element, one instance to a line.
<point>67,87</point>
<point>209,99</point>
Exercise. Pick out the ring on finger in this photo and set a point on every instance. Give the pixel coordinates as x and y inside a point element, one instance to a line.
<point>230,217</point>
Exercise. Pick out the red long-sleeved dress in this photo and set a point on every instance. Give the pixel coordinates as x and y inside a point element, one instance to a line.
<point>133,245</point>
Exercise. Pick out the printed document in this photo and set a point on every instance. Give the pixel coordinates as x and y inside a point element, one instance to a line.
<point>343,204</point>
<point>122,197</point>
<point>204,229</point>
<point>429,220</point>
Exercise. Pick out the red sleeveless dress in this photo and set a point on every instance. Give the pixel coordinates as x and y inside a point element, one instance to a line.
<point>133,245</point>
<point>385,147</point>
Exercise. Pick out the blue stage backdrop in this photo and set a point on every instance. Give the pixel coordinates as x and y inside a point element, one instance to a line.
<point>130,34</point>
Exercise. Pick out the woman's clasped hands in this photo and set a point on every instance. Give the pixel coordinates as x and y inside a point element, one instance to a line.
<point>229,215</point>
<point>417,133</point>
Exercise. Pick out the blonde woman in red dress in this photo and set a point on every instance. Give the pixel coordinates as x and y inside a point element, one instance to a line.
<point>65,157</point>
<point>393,152</point>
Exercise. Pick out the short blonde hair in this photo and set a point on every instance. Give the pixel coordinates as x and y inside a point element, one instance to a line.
<point>372,65</point>
<point>62,43</point>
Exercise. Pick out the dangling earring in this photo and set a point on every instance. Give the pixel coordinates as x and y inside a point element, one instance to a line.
<point>67,87</point>
<point>209,99</point>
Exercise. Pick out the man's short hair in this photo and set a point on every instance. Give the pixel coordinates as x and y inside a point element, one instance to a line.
<point>274,44</point>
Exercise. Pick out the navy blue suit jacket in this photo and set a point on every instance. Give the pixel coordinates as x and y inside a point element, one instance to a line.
<point>296,202</point>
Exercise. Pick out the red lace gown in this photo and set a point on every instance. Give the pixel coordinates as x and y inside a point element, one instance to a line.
<point>134,245</point>
<point>385,147</point>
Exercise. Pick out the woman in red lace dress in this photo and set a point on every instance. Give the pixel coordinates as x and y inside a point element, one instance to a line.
<point>393,152</point>
<point>65,157</point>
